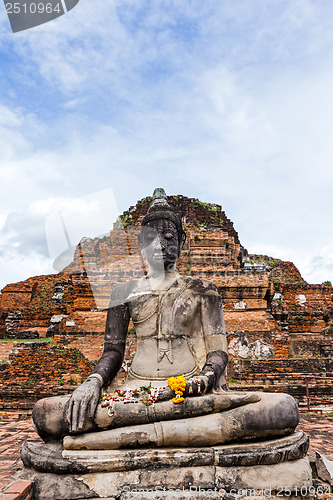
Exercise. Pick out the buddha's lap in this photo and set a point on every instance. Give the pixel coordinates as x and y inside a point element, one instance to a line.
<point>257,411</point>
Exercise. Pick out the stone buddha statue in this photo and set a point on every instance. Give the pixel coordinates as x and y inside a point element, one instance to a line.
<point>180,336</point>
<point>173,425</point>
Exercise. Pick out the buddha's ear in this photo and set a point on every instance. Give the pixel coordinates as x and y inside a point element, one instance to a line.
<point>140,241</point>
<point>182,241</point>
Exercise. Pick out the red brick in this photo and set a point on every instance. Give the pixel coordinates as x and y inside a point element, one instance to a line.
<point>20,487</point>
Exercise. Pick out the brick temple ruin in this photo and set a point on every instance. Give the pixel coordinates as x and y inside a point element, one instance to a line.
<point>265,299</point>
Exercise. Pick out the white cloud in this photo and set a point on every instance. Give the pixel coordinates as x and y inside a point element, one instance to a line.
<point>320,267</point>
<point>17,267</point>
<point>229,103</point>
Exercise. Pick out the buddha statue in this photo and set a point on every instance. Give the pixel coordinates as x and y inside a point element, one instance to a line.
<point>175,393</point>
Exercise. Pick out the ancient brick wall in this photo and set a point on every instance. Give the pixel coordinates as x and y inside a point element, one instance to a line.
<point>33,297</point>
<point>40,371</point>
<point>91,322</point>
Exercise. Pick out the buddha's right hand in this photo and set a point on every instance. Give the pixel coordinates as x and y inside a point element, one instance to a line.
<point>196,386</point>
<point>165,394</point>
<point>83,403</point>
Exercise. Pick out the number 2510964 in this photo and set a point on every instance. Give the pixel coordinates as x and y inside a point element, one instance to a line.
<point>32,8</point>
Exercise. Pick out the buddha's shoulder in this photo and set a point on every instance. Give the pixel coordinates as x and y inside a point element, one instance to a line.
<point>199,285</point>
<point>123,291</point>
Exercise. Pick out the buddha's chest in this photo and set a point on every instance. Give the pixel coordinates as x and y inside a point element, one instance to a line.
<point>165,314</point>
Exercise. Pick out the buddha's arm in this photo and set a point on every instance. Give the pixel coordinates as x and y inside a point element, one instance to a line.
<point>84,400</point>
<point>114,344</point>
<point>212,321</point>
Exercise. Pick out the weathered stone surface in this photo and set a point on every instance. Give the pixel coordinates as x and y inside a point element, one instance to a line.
<point>261,350</point>
<point>271,478</point>
<point>193,494</point>
<point>55,321</point>
<point>58,293</point>
<point>203,495</point>
<point>241,348</point>
<point>324,468</point>
<point>109,484</point>
<point>13,323</point>
<point>288,448</point>
<point>53,487</point>
<point>53,458</point>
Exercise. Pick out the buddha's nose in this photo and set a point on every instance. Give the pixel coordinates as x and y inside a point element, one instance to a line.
<point>158,244</point>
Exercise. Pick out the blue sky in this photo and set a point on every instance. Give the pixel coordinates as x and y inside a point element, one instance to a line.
<point>227,101</point>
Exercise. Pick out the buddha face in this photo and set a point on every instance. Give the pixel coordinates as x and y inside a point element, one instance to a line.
<point>160,245</point>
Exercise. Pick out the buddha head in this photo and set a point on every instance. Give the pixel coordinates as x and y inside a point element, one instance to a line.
<point>161,237</point>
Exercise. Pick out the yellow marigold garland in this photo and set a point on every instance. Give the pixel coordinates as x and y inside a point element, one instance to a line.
<point>178,386</point>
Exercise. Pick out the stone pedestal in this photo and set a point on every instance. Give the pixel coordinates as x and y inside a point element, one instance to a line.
<point>266,469</point>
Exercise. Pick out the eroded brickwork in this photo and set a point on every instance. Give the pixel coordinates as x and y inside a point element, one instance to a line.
<point>33,298</point>
<point>37,371</point>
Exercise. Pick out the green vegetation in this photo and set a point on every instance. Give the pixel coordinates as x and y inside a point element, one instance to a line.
<point>73,381</point>
<point>327,283</point>
<point>126,220</point>
<point>326,316</point>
